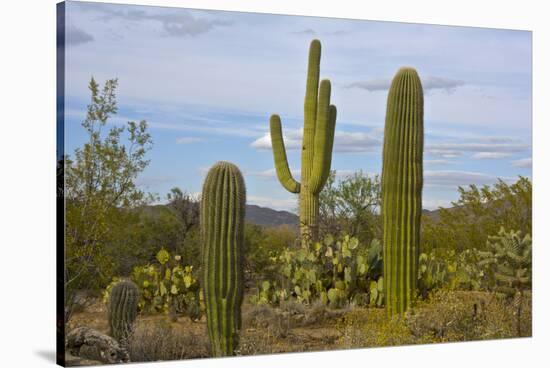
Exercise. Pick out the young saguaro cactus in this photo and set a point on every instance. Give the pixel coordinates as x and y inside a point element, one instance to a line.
<point>402,179</point>
<point>222,230</point>
<point>319,124</point>
<point>122,309</point>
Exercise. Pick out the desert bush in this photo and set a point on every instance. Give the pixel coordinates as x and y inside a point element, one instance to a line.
<point>334,272</point>
<point>159,340</point>
<point>262,245</point>
<point>449,270</point>
<point>465,316</point>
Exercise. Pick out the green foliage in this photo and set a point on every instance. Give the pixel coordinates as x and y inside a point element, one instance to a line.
<point>449,270</point>
<point>509,262</point>
<point>262,245</point>
<point>100,192</point>
<point>333,272</point>
<point>222,229</point>
<point>165,286</point>
<point>351,207</point>
<point>402,178</point>
<point>319,125</point>
<point>122,309</point>
<point>478,212</point>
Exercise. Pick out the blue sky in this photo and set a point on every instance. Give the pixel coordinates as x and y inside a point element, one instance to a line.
<point>207,82</point>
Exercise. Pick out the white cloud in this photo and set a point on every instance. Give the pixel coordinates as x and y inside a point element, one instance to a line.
<point>433,204</point>
<point>428,83</point>
<point>277,204</point>
<point>271,173</point>
<point>344,142</point>
<point>490,155</point>
<point>523,163</point>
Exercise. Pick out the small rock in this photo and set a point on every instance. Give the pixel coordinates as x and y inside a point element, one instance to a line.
<point>87,343</point>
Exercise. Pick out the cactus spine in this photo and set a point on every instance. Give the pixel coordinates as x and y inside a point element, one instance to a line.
<point>319,123</point>
<point>222,230</point>
<point>122,309</point>
<point>402,179</point>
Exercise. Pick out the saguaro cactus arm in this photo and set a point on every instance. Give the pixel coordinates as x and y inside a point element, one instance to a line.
<point>317,143</point>
<point>279,156</point>
<point>324,136</point>
<point>312,89</point>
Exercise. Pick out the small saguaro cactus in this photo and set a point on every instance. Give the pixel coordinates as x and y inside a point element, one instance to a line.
<point>319,124</point>
<point>222,231</point>
<point>402,180</point>
<point>122,309</point>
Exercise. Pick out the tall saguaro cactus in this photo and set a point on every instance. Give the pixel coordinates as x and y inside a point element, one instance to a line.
<point>122,309</point>
<point>222,230</point>
<point>319,124</point>
<point>402,179</point>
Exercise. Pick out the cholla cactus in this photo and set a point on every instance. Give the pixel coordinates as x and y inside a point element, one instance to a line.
<point>402,179</point>
<point>122,309</point>
<point>509,259</point>
<point>222,229</point>
<point>319,123</point>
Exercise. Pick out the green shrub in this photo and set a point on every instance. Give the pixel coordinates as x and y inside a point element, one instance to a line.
<point>449,270</point>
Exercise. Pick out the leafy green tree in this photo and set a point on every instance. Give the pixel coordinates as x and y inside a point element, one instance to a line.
<point>263,245</point>
<point>478,212</point>
<point>351,207</point>
<point>186,209</point>
<point>100,190</point>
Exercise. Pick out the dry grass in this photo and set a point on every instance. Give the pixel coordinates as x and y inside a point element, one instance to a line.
<point>162,340</point>
<point>293,327</point>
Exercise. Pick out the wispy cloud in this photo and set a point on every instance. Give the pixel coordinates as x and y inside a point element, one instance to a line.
<point>344,142</point>
<point>149,181</point>
<point>174,22</point>
<point>453,179</point>
<point>307,31</point>
<point>312,32</point>
<point>75,36</point>
<point>491,155</point>
<point>482,149</point>
<point>428,83</point>
<point>437,162</point>
<point>272,174</point>
<point>433,204</point>
<point>190,140</point>
<point>213,128</point>
<point>277,204</point>
<point>523,163</point>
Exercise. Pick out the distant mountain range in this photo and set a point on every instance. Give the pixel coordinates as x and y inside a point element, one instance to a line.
<point>265,216</point>
<point>269,217</point>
